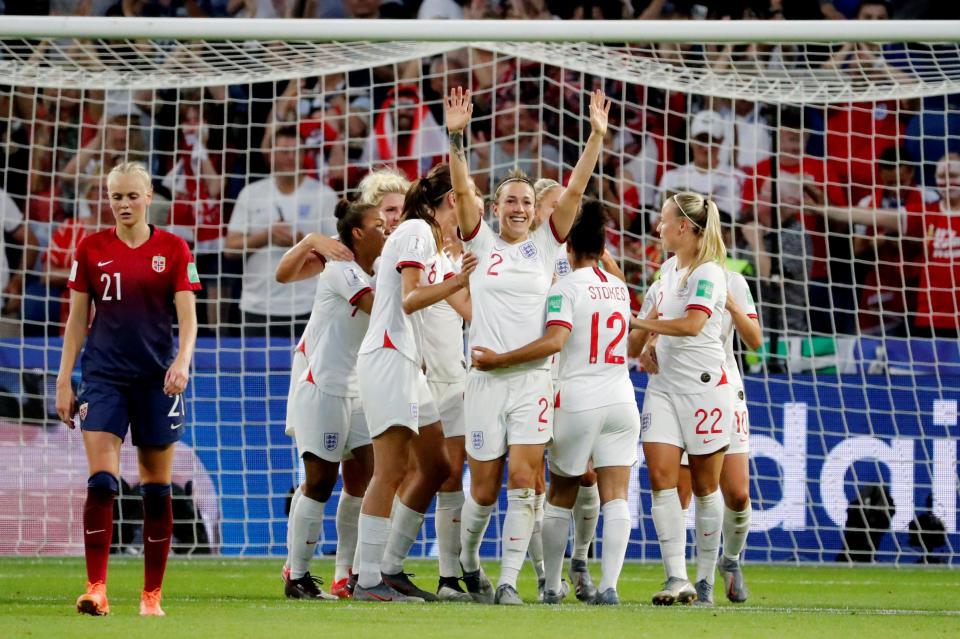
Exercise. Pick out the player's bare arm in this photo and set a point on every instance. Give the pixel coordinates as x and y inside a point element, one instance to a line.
<point>306,258</point>
<point>175,381</point>
<point>458,109</point>
<point>563,216</point>
<point>689,325</point>
<point>748,328</point>
<point>551,343</point>
<point>73,337</point>
<point>416,296</point>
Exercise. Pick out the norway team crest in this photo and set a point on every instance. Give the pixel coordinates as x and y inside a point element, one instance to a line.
<point>330,440</point>
<point>159,263</point>
<point>83,410</point>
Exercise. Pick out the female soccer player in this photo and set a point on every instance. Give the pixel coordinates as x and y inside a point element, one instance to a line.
<point>509,410</point>
<point>385,189</point>
<point>401,415</point>
<point>323,406</point>
<point>596,413</point>
<point>131,375</point>
<point>688,403</point>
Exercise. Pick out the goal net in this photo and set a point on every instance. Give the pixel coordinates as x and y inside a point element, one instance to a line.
<point>836,167</point>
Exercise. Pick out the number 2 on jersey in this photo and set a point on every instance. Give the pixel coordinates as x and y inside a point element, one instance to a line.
<point>495,260</point>
<point>105,279</point>
<point>609,357</point>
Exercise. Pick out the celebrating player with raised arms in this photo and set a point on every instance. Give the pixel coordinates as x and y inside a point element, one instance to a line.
<point>688,403</point>
<point>401,414</point>
<point>323,406</point>
<point>510,409</point>
<point>596,413</point>
<point>140,279</point>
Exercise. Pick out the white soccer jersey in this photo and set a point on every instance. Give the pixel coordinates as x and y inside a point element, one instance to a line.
<point>411,244</point>
<point>649,300</point>
<point>593,363</point>
<point>443,328</point>
<point>739,291</point>
<point>509,288</point>
<point>690,364</point>
<point>340,327</point>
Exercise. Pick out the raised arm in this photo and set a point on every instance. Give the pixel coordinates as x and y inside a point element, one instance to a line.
<point>569,202</point>
<point>458,111</point>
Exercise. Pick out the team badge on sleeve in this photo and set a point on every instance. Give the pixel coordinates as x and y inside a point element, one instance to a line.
<point>528,250</point>
<point>192,274</point>
<point>330,440</point>
<point>476,437</point>
<point>705,289</point>
<point>159,263</point>
<point>554,302</point>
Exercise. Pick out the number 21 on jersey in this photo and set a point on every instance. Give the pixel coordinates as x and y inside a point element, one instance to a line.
<point>108,282</point>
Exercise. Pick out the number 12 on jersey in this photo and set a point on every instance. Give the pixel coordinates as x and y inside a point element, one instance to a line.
<point>609,357</point>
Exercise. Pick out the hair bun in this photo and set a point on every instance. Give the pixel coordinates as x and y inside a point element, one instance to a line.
<point>343,206</point>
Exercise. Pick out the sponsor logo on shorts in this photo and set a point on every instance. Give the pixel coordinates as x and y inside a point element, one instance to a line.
<point>415,410</point>
<point>707,441</point>
<point>83,410</point>
<point>645,421</point>
<point>175,426</point>
<point>528,250</point>
<point>159,263</point>
<point>477,438</point>
<point>330,440</point>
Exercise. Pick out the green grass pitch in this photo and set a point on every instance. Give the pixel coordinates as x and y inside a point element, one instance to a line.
<point>232,598</point>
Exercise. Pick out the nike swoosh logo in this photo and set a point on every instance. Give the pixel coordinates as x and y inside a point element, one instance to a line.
<point>310,543</point>
<point>156,541</point>
<point>707,534</point>
<point>587,518</point>
<point>175,426</point>
<point>737,532</point>
<point>456,521</point>
<point>516,538</point>
<point>540,430</point>
<point>743,439</point>
<point>94,532</point>
<point>104,263</point>
<point>707,441</point>
<point>472,531</point>
<point>379,598</point>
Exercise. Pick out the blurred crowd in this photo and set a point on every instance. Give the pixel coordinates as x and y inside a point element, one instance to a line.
<point>839,216</point>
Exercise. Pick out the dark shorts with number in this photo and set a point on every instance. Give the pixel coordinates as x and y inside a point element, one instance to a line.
<point>154,418</point>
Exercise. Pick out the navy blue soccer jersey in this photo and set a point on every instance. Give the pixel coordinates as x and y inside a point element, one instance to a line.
<point>133,290</point>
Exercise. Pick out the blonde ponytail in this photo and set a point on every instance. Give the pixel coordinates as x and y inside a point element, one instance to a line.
<point>705,217</point>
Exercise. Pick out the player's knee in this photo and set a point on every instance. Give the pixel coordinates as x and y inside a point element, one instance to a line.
<point>103,482</point>
<point>661,478</point>
<point>522,478</point>
<point>317,488</point>
<point>484,495</point>
<point>737,499</point>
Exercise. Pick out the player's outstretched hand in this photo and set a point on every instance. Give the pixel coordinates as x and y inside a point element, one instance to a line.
<point>484,359</point>
<point>65,402</point>
<point>467,267</point>
<point>458,109</point>
<point>599,111</point>
<point>330,248</point>
<point>176,379</point>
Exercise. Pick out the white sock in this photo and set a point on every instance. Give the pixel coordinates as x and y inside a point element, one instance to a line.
<point>736,525</point>
<point>671,531</point>
<point>535,550</point>
<point>403,532</point>
<point>447,523</point>
<point>372,533</point>
<point>709,522</point>
<point>556,532</point>
<point>474,519</point>
<point>585,513</point>
<point>616,534</point>
<point>307,523</point>
<point>297,494</point>
<point>348,517</point>
<point>517,528</point>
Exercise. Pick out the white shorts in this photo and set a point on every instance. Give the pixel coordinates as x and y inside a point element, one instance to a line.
<point>327,426</point>
<point>740,434</point>
<point>448,396</point>
<point>394,392</point>
<point>298,368</point>
<point>504,410</point>
<point>699,423</point>
<point>608,435</point>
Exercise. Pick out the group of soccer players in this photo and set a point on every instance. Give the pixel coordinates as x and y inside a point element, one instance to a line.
<point>382,391</point>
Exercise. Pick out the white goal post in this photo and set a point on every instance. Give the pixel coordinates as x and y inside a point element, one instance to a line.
<point>809,126</point>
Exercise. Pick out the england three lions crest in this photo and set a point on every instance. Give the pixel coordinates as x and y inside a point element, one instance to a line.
<point>330,440</point>
<point>159,263</point>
